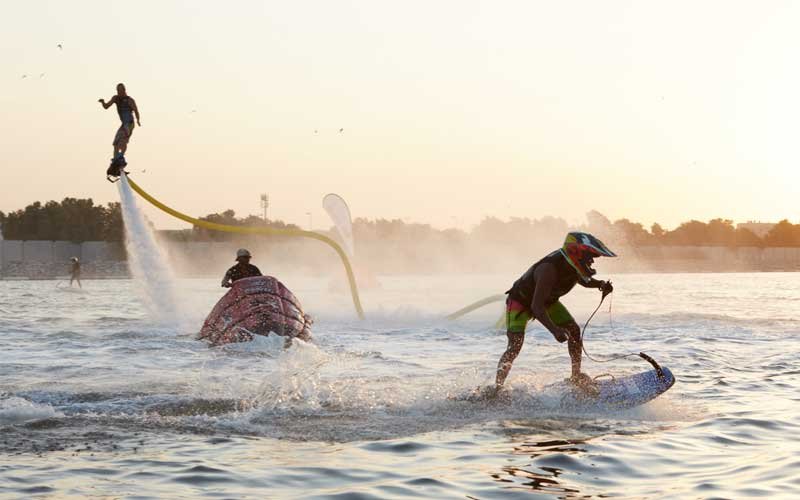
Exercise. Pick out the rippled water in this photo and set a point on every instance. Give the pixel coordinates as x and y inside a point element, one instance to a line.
<point>97,399</point>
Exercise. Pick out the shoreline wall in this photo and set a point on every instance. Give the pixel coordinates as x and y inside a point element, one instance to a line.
<point>50,259</point>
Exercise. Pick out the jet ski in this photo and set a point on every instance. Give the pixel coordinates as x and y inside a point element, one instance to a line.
<point>260,305</point>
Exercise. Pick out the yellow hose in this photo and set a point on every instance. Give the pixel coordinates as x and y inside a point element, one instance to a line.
<point>261,230</point>
<point>476,305</point>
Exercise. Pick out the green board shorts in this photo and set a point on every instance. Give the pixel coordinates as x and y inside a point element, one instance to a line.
<point>517,315</point>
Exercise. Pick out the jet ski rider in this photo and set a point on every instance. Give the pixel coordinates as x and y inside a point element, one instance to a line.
<point>535,295</point>
<point>243,269</point>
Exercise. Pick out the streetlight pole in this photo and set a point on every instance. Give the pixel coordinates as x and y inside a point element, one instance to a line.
<point>265,204</point>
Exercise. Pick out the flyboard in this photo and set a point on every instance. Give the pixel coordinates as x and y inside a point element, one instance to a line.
<point>115,168</point>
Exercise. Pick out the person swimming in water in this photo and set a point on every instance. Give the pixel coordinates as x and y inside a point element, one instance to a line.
<point>243,269</point>
<point>536,294</point>
<point>126,109</point>
<point>75,272</point>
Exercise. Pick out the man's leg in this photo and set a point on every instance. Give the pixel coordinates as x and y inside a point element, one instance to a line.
<point>128,132</point>
<point>575,347</point>
<point>561,316</point>
<point>120,140</point>
<point>115,143</point>
<point>515,341</point>
<point>517,318</point>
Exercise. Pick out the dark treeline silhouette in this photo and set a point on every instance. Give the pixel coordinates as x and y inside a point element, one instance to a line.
<point>72,219</point>
<point>784,234</point>
<point>623,232</point>
<point>228,218</point>
<point>714,233</point>
<point>81,220</point>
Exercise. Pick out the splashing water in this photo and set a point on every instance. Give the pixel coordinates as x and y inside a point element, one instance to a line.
<point>93,401</point>
<point>147,262</point>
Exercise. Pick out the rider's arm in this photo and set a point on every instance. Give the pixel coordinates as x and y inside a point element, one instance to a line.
<point>108,104</point>
<point>592,283</point>
<point>603,286</point>
<point>135,111</point>
<point>546,277</point>
<point>226,279</point>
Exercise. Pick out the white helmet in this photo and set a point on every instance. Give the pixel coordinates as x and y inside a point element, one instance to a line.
<point>242,252</point>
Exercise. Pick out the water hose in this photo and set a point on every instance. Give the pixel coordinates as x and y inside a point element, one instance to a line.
<point>476,305</point>
<point>260,230</point>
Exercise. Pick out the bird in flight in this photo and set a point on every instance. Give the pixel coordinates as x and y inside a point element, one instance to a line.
<point>24,76</point>
<point>41,76</point>
<point>341,130</point>
<point>60,47</point>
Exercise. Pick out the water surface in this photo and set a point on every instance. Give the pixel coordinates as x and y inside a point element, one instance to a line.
<point>100,397</point>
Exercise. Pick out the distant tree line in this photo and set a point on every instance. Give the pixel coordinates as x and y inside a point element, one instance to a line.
<point>228,218</point>
<point>714,233</point>
<point>623,232</point>
<point>72,219</point>
<point>81,220</point>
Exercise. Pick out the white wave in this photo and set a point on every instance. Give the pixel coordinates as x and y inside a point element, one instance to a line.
<point>16,410</point>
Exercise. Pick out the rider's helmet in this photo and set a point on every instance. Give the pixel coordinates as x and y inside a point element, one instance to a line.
<point>580,249</point>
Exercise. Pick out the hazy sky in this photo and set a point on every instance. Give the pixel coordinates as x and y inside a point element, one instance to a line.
<point>654,111</point>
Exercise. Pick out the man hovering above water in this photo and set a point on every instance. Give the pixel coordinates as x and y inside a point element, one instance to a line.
<point>126,109</point>
<point>535,295</point>
<point>243,269</point>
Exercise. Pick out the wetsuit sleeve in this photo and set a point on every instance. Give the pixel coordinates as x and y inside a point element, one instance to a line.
<point>256,271</point>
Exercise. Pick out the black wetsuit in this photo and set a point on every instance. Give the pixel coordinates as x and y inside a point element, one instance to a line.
<point>567,278</point>
<point>240,271</point>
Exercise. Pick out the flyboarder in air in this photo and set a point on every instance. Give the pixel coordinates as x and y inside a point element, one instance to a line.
<point>126,108</point>
<point>535,295</point>
<point>243,269</point>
